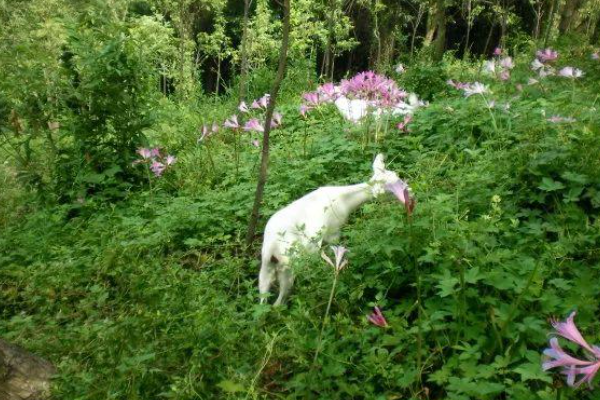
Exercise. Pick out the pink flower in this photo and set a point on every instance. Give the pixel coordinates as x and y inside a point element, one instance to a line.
<point>547,55</point>
<point>370,86</point>
<point>377,318</point>
<point>505,75</point>
<point>569,331</point>
<point>243,107</point>
<point>571,366</point>
<point>595,56</point>
<point>570,72</point>
<point>312,99</point>
<point>255,143</point>
<point>170,160</point>
<point>263,102</point>
<point>338,252</point>
<point>158,168</point>
<point>507,62</point>
<point>474,88</point>
<point>555,119</point>
<point>457,85</point>
<point>232,122</point>
<point>276,121</point>
<point>403,126</point>
<point>254,125</point>
<point>559,358</point>
<point>304,109</point>
<point>328,91</point>
<point>497,51</point>
<point>401,190</point>
<point>145,153</point>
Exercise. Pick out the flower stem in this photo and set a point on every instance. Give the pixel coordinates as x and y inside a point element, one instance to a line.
<point>325,318</point>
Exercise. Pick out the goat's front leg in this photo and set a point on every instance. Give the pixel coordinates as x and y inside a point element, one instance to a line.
<point>286,281</point>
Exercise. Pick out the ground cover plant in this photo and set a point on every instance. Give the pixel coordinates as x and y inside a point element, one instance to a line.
<point>129,174</point>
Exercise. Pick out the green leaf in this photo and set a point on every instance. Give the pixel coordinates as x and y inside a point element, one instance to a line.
<point>231,386</point>
<point>550,185</point>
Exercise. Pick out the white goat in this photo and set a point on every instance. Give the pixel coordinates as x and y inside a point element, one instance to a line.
<point>317,218</point>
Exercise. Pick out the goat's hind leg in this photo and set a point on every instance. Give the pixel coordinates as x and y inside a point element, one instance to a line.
<point>265,279</point>
<point>286,281</point>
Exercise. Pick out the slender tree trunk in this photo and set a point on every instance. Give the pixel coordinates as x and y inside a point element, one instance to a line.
<point>553,9</point>
<point>469,26</point>
<point>415,27</point>
<point>489,38</point>
<point>264,162</point>
<point>569,15</point>
<point>218,75</point>
<point>244,51</point>
<point>440,23</point>
<point>538,20</point>
<point>326,66</point>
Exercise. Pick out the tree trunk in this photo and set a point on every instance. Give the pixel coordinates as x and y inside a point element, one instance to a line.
<point>569,15</point>
<point>439,44</point>
<point>264,162</point>
<point>553,9</point>
<point>244,52</point>
<point>23,376</point>
<point>326,66</point>
<point>469,26</point>
<point>415,28</point>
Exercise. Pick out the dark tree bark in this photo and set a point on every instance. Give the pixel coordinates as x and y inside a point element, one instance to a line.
<point>244,52</point>
<point>553,9</point>
<point>569,15</point>
<point>23,376</point>
<point>264,162</point>
<point>439,44</point>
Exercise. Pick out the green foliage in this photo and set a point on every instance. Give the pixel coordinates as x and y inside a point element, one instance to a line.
<point>142,289</point>
<point>426,80</point>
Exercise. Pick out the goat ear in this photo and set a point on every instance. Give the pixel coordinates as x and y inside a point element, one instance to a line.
<point>378,164</point>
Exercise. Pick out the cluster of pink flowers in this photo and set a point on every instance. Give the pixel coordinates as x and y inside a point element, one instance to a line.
<point>253,124</point>
<point>542,63</point>
<point>156,161</point>
<point>325,94</point>
<point>571,366</point>
<point>469,89</point>
<point>374,87</point>
<point>499,67</point>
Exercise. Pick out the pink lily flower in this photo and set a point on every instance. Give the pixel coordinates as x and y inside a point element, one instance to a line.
<point>255,143</point>
<point>170,160</point>
<point>312,98</point>
<point>570,72</point>
<point>158,168</point>
<point>505,75</point>
<point>497,51</point>
<point>377,318</point>
<point>243,107</point>
<point>507,62</point>
<point>403,126</point>
<point>338,252</point>
<point>547,55</point>
<point>276,121</point>
<point>255,105</point>
<point>401,190</point>
<point>571,366</point>
<point>145,153</point>
<point>328,91</point>
<point>232,122</point>
<point>254,125</point>
<point>304,109</point>
<point>569,331</point>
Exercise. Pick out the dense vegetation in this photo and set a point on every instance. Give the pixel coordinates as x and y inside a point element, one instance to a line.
<point>128,269</point>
